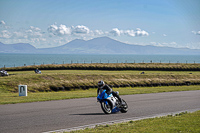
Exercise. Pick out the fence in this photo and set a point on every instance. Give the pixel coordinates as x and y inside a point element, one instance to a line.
<point>100,61</point>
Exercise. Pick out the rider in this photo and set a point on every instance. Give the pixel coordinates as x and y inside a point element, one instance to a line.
<point>102,85</point>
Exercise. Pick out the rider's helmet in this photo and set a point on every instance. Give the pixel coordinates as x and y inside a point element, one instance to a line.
<point>101,83</point>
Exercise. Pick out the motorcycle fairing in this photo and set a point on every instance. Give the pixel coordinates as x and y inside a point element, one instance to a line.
<point>105,97</point>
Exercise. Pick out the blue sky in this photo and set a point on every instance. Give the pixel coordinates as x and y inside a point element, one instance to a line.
<point>50,23</point>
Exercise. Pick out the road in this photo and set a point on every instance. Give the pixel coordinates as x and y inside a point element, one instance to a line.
<point>54,115</point>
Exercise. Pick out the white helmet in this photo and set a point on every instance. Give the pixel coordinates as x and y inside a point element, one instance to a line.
<point>101,83</point>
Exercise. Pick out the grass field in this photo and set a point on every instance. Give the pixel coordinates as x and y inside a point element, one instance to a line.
<point>75,79</point>
<point>180,123</point>
<point>12,98</point>
<point>83,83</point>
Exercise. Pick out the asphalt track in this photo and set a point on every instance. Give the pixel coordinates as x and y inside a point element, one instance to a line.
<point>54,115</point>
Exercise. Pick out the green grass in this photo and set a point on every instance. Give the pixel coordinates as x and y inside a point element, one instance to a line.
<point>180,123</point>
<point>55,79</point>
<point>12,98</point>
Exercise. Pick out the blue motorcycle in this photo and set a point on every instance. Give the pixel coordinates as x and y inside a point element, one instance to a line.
<point>111,104</point>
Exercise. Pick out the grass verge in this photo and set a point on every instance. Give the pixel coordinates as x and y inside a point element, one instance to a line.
<point>56,80</point>
<point>114,66</point>
<point>12,98</point>
<point>180,123</point>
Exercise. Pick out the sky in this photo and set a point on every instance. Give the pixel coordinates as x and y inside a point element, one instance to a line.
<point>51,23</point>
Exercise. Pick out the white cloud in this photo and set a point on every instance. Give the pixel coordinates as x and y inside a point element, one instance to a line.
<point>32,32</point>
<point>196,32</point>
<point>98,32</point>
<point>129,33</point>
<point>132,33</point>
<point>19,35</point>
<point>52,28</point>
<point>164,35</point>
<point>80,29</point>
<point>35,28</point>
<point>115,32</point>
<point>2,22</point>
<point>5,34</point>
<point>59,30</point>
<point>64,30</point>
<point>140,32</point>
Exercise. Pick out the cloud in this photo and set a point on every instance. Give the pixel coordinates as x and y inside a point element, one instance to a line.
<point>64,30</point>
<point>2,22</point>
<point>80,29</point>
<point>5,34</point>
<point>131,33</point>
<point>35,28</point>
<point>59,30</point>
<point>196,33</point>
<point>164,35</point>
<point>19,35</point>
<point>140,32</point>
<point>115,32</point>
<point>98,32</point>
<point>59,34</point>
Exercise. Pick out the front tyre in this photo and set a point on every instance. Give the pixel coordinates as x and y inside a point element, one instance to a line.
<point>124,107</point>
<point>107,108</point>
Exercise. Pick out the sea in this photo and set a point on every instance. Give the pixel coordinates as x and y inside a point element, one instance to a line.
<point>15,60</point>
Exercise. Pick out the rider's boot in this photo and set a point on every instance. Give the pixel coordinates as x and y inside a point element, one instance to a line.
<point>121,103</point>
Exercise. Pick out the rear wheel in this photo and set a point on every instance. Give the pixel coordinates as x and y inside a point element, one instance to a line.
<point>107,108</point>
<point>124,108</point>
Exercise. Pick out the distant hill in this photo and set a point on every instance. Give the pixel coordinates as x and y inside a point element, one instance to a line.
<point>17,48</point>
<point>103,45</point>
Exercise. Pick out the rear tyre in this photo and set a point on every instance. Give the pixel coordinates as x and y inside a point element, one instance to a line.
<point>124,107</point>
<point>107,109</point>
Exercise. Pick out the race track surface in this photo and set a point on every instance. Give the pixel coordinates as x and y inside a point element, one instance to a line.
<point>54,115</point>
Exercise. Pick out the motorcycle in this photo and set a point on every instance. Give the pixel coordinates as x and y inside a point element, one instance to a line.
<point>4,73</point>
<point>111,104</point>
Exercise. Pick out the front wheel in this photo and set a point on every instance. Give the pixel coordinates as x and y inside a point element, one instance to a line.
<point>107,108</point>
<point>124,108</point>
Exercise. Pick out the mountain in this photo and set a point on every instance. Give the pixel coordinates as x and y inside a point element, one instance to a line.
<point>17,48</point>
<point>106,45</point>
<point>101,45</point>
